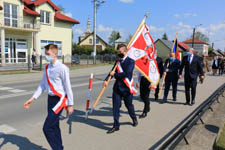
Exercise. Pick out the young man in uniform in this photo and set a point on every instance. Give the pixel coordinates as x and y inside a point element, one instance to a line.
<point>123,87</point>
<point>56,81</point>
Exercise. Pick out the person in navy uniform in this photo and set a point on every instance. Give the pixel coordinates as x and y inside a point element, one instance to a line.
<point>193,68</point>
<point>171,68</point>
<point>121,90</point>
<point>55,80</point>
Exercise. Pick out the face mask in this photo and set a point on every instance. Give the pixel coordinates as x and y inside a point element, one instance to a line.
<point>172,58</point>
<point>48,58</point>
<point>188,53</point>
<point>120,55</point>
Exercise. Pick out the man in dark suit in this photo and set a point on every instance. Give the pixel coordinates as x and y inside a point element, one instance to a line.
<point>121,90</point>
<point>171,68</point>
<point>193,68</point>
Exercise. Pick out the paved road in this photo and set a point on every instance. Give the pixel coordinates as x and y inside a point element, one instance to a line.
<point>25,126</point>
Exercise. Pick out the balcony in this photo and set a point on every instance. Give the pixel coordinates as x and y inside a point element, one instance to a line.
<point>20,23</point>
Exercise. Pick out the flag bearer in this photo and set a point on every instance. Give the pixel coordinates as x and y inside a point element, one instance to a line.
<point>123,87</point>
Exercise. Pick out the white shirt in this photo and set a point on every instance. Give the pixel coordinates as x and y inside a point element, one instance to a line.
<point>59,77</point>
<point>190,58</point>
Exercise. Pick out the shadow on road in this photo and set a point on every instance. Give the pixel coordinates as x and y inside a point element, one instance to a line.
<point>79,116</point>
<point>21,142</point>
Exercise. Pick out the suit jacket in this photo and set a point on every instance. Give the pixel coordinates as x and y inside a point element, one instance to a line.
<point>128,68</point>
<point>173,67</point>
<point>160,65</point>
<point>191,70</point>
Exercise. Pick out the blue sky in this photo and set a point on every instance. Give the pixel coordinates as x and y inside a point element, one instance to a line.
<point>168,16</point>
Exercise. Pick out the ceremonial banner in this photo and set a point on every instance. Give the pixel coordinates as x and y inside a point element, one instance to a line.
<point>175,49</point>
<point>142,50</point>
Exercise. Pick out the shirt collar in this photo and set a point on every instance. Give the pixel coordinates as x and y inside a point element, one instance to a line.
<point>124,58</point>
<point>56,63</point>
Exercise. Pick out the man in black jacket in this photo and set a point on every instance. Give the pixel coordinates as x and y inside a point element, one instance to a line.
<point>193,68</point>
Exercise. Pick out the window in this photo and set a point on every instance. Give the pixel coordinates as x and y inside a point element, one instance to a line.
<point>45,17</point>
<point>10,15</point>
<point>97,41</point>
<point>90,41</point>
<point>44,43</point>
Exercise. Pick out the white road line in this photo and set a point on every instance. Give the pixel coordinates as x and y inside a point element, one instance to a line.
<point>5,88</point>
<point>6,129</point>
<point>16,91</point>
<point>31,92</point>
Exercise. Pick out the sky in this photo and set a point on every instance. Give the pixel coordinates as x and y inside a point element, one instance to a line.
<point>165,16</point>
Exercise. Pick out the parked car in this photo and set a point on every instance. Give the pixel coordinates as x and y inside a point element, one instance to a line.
<point>75,60</point>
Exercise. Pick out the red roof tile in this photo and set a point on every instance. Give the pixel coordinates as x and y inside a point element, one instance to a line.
<point>30,12</point>
<point>184,46</point>
<point>39,2</point>
<point>196,41</point>
<point>62,17</point>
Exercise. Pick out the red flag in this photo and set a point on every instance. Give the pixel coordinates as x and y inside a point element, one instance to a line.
<point>142,50</point>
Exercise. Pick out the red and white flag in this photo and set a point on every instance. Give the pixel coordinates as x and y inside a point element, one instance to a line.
<point>142,50</point>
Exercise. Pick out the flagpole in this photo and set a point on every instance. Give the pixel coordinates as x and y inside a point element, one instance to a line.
<point>164,76</point>
<point>138,29</point>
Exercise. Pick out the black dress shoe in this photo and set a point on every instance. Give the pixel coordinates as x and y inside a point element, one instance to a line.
<point>186,103</point>
<point>135,123</point>
<point>156,98</point>
<point>193,102</point>
<point>112,130</point>
<point>143,115</point>
<point>174,99</point>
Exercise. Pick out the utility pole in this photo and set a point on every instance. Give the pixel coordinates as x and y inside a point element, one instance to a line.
<point>94,39</point>
<point>194,35</point>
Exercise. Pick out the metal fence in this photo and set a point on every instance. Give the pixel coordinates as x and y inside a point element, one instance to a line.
<point>38,62</point>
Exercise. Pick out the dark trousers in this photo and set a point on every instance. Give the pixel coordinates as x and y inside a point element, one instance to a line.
<point>128,98</point>
<point>221,70</point>
<point>170,79</point>
<point>157,91</point>
<point>144,93</point>
<point>51,126</point>
<point>190,83</point>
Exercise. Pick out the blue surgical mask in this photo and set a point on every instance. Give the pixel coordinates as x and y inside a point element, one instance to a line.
<point>48,58</point>
<point>172,58</point>
<point>188,53</point>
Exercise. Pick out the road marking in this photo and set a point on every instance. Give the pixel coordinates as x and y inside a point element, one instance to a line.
<point>5,88</point>
<point>6,129</point>
<point>16,91</point>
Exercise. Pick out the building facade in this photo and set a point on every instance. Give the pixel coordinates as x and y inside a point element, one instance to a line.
<point>199,46</point>
<point>28,25</point>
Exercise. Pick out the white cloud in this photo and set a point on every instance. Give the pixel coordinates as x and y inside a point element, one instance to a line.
<point>156,29</point>
<point>101,28</point>
<point>69,14</point>
<point>126,1</point>
<point>186,15</point>
<point>78,31</point>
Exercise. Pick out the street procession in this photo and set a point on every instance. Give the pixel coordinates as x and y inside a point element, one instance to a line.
<point>144,92</point>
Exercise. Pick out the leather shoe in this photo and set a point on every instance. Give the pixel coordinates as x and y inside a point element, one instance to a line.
<point>112,130</point>
<point>143,115</point>
<point>156,98</point>
<point>174,99</point>
<point>186,103</point>
<point>135,123</point>
<point>193,102</point>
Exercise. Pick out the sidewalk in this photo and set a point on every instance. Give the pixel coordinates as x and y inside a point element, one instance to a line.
<point>35,76</point>
<point>91,134</point>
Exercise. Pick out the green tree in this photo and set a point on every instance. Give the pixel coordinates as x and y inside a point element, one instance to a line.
<point>201,36</point>
<point>129,38</point>
<point>165,37</point>
<point>113,37</point>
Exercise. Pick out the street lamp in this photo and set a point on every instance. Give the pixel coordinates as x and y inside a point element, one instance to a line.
<point>194,34</point>
<point>97,3</point>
